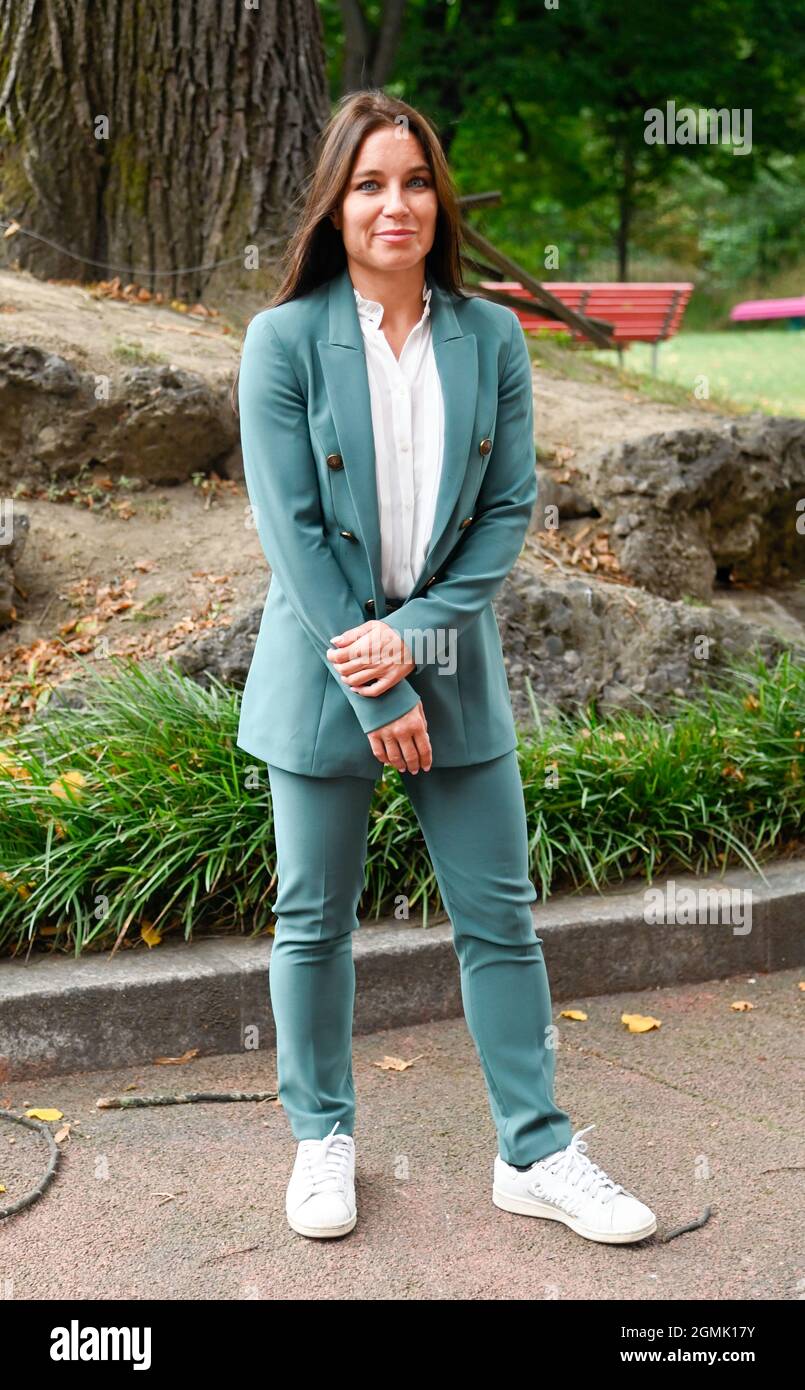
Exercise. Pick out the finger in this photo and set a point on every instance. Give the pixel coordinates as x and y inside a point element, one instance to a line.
<point>347,665</point>
<point>410,754</point>
<point>424,749</point>
<point>393,753</point>
<point>373,682</point>
<point>341,656</point>
<point>350,634</point>
<point>362,674</point>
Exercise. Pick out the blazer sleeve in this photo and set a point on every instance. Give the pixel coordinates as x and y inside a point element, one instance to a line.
<point>488,549</point>
<point>281,481</point>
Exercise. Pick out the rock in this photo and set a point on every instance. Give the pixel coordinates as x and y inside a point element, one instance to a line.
<point>569,501</point>
<point>14,527</point>
<point>225,652</point>
<point>159,424</point>
<point>573,640</point>
<point>685,506</point>
<point>620,646</point>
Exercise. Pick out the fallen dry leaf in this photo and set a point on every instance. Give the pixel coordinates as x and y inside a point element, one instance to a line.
<point>396,1063</point>
<point>72,779</point>
<point>640,1023</point>
<point>150,934</point>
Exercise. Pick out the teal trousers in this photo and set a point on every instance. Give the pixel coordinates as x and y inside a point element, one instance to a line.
<point>473,822</point>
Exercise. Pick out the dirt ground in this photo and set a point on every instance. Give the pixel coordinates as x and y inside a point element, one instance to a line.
<point>145,569</point>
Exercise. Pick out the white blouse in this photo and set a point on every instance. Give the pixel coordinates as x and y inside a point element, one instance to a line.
<point>408,427</point>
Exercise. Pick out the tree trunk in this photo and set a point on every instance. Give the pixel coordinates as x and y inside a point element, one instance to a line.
<point>625,208</point>
<point>156,141</point>
<point>369,52</point>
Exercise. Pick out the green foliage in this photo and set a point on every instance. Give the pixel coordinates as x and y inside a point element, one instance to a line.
<point>140,809</point>
<point>548,105</point>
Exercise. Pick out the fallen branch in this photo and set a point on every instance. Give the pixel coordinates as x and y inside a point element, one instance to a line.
<point>37,1191</point>
<point>689,1226</point>
<point>182,1098</point>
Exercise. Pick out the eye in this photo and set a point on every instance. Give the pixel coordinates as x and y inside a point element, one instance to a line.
<point>414,177</point>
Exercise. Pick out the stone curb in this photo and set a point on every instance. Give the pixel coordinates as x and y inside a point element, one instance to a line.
<point>59,1015</point>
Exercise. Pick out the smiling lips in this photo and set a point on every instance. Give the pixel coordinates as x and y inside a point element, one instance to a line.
<point>395,236</point>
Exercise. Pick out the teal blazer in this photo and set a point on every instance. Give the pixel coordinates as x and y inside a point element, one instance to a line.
<point>309,464</point>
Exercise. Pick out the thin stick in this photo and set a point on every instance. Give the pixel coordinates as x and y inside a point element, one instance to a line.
<point>689,1226</point>
<point>55,1154</point>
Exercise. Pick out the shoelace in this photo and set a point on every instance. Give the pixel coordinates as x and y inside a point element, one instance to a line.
<point>326,1161</point>
<point>574,1167</point>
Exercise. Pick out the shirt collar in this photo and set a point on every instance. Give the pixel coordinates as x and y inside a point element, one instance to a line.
<point>372,311</point>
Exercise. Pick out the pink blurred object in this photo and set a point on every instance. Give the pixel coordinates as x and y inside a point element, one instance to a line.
<point>770,309</point>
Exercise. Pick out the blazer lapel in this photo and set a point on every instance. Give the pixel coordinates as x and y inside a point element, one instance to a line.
<point>343,361</point>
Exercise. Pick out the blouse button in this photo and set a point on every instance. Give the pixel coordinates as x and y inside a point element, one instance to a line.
<point>335,461</point>
<point>369,605</point>
<point>485,446</point>
<point>348,536</point>
<point>465,522</point>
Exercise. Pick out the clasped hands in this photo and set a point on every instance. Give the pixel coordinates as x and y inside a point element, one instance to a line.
<point>370,659</point>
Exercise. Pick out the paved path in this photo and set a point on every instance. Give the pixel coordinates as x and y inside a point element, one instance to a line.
<point>695,1113</point>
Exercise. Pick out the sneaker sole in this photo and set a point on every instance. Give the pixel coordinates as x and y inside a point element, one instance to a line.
<point>322,1232</point>
<point>534,1208</point>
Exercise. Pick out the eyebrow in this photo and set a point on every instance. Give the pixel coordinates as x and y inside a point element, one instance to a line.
<point>365,173</point>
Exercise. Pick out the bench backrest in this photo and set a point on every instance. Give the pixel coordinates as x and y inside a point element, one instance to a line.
<point>643,311</point>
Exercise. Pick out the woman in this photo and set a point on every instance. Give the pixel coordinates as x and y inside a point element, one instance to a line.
<point>387,430</point>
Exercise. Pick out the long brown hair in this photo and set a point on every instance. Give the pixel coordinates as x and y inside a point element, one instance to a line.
<point>315,252</point>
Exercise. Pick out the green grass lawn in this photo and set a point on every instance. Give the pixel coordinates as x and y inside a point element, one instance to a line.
<point>762,369</point>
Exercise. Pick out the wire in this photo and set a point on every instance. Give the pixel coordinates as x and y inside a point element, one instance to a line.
<point>128,269</point>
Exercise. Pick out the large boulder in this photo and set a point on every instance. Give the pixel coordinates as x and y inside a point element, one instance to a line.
<point>576,641</point>
<point>685,507</point>
<point>160,424</point>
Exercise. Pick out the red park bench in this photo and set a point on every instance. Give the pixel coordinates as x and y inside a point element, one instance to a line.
<point>640,311</point>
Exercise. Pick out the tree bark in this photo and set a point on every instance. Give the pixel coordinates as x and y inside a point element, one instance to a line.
<point>625,208</point>
<point>156,141</point>
<point>369,53</point>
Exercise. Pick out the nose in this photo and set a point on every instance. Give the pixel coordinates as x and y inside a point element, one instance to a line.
<point>395,202</point>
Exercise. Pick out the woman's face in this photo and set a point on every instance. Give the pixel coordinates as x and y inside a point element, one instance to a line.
<point>390,190</point>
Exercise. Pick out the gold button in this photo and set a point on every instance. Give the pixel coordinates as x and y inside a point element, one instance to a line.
<point>335,461</point>
<point>485,446</point>
<point>369,605</point>
<point>432,580</point>
<point>348,536</point>
<point>465,522</point>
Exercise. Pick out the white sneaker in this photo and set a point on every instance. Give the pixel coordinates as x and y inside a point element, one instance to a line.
<point>566,1186</point>
<point>320,1200</point>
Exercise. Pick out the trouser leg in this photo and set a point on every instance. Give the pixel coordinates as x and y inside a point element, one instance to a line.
<point>474,824</point>
<point>320,833</point>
